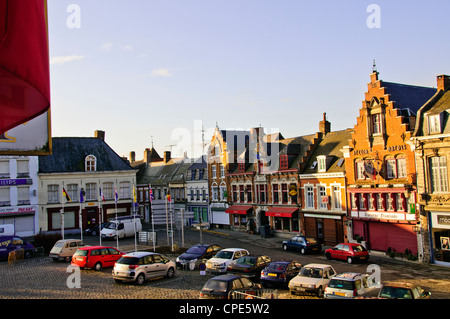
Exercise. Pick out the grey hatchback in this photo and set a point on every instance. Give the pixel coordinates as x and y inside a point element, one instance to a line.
<point>141,266</point>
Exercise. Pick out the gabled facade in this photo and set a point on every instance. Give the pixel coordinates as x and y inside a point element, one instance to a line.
<point>197,190</point>
<point>380,167</point>
<point>323,188</point>
<point>432,149</point>
<point>83,166</point>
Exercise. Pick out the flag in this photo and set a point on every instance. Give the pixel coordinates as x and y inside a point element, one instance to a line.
<point>66,195</point>
<point>81,196</point>
<point>134,194</point>
<point>151,195</point>
<point>101,194</point>
<point>168,197</point>
<point>116,196</point>
<point>369,170</point>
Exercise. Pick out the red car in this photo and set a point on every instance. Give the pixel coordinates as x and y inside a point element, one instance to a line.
<point>96,257</point>
<point>348,251</point>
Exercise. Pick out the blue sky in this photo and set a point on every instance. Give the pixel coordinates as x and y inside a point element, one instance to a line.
<point>144,69</point>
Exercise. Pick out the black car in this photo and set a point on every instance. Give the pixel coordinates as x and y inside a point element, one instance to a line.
<point>279,273</point>
<point>249,266</point>
<point>220,287</point>
<point>303,244</point>
<point>93,231</point>
<point>196,254</point>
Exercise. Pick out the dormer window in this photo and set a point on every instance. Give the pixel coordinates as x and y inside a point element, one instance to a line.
<point>434,124</point>
<point>376,124</point>
<point>283,162</point>
<point>321,164</point>
<point>90,163</point>
<point>241,167</point>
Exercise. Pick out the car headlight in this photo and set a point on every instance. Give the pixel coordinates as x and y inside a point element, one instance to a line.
<point>178,259</point>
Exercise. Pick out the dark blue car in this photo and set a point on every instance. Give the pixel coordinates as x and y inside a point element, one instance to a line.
<point>11,243</point>
<point>279,273</point>
<point>302,244</point>
<point>220,287</point>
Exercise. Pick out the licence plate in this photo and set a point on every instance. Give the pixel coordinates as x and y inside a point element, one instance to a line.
<point>271,274</point>
<point>340,294</point>
<point>363,257</point>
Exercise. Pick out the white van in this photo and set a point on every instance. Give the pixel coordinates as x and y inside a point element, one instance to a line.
<point>65,248</point>
<point>7,230</point>
<point>122,227</point>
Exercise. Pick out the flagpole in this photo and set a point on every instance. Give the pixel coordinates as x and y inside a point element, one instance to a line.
<point>151,216</point>
<point>62,213</point>
<point>100,214</point>
<point>117,222</point>
<point>81,213</point>
<point>134,219</point>
<point>167,222</point>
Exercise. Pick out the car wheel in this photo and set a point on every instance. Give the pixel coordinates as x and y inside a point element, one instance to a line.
<point>28,254</point>
<point>68,258</point>
<point>140,279</point>
<point>170,272</point>
<point>320,292</point>
<point>285,247</point>
<point>350,260</point>
<point>94,233</point>
<point>98,266</point>
<point>303,251</point>
<point>328,256</point>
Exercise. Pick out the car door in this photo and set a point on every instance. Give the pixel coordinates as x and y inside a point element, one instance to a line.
<point>112,257</point>
<point>336,252</point>
<point>159,265</point>
<point>346,251</point>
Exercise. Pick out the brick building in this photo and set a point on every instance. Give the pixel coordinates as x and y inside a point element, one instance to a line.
<point>380,166</point>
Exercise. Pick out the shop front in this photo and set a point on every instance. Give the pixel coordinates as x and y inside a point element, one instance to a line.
<point>284,219</point>
<point>440,237</point>
<point>240,215</point>
<point>326,228</point>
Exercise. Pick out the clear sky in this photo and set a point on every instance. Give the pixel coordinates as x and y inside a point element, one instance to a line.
<point>161,69</point>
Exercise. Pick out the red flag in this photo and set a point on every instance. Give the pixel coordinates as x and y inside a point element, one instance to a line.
<point>24,62</point>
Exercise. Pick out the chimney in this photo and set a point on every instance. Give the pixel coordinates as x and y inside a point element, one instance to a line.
<point>99,134</point>
<point>147,156</point>
<point>443,82</point>
<point>166,156</point>
<point>132,156</point>
<point>324,126</point>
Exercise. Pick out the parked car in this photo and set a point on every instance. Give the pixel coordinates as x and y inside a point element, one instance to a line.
<point>141,266</point>
<point>220,287</point>
<point>312,278</point>
<point>349,285</point>
<point>249,266</point>
<point>65,248</point>
<point>302,244</point>
<point>403,290</point>
<point>197,254</point>
<point>348,251</point>
<point>279,273</point>
<point>220,262</point>
<point>94,230</point>
<point>122,227</point>
<point>96,257</point>
<point>11,243</point>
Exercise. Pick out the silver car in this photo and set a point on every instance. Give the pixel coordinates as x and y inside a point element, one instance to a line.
<point>141,266</point>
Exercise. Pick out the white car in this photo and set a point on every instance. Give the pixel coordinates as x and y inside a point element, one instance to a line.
<point>141,266</point>
<point>219,263</point>
<point>312,278</point>
<point>349,285</point>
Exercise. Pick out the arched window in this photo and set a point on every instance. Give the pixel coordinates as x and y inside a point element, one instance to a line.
<point>90,163</point>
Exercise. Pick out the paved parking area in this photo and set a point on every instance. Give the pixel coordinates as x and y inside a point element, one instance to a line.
<point>43,278</point>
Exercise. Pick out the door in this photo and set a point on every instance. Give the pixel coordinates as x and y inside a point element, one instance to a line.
<point>320,236</point>
<point>159,266</point>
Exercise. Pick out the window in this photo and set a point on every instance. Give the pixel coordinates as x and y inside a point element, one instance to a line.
<point>276,194</point>
<point>336,192</point>
<point>4,169</point>
<point>283,162</point>
<point>434,124</point>
<point>391,170</point>
<point>284,193</point>
<point>376,124</point>
<point>438,174</point>
<point>322,164</point>
<point>90,163</point>
<point>241,167</point>
<point>124,190</point>
<point>215,193</point>
<point>213,171</point>
<point>241,193</point>
<point>91,191</point>
<point>108,190</point>
<point>360,170</point>
<point>193,174</point>
<point>23,195</point>
<point>72,191</point>
<point>249,193</point>
<point>262,189</point>
<point>22,168</point>
<point>401,168</point>
<point>309,196</point>
<point>322,197</point>
<point>222,171</point>
<point>4,197</point>
<point>53,193</point>
<point>223,193</point>
<point>235,193</point>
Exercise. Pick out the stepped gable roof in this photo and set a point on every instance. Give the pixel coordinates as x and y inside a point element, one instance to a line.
<point>331,146</point>
<point>69,153</point>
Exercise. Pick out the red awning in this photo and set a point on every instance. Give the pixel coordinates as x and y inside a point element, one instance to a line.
<point>281,211</point>
<point>24,62</point>
<point>236,209</point>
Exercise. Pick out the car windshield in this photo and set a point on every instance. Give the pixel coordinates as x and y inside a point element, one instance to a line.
<point>311,272</point>
<point>311,240</point>
<point>81,252</point>
<point>59,244</point>
<point>200,250</point>
<point>246,260</point>
<point>225,254</point>
<point>341,284</point>
<point>276,267</point>
<point>215,285</point>
<point>396,292</point>
<point>110,226</point>
<point>128,261</point>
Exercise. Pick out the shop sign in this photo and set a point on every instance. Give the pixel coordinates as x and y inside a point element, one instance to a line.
<point>15,181</point>
<point>17,210</point>
<point>443,220</point>
<point>382,215</point>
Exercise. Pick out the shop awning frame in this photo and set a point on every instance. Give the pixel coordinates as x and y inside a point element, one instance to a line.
<point>281,211</point>
<point>238,209</point>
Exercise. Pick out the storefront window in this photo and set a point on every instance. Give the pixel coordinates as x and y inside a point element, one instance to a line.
<point>441,244</point>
